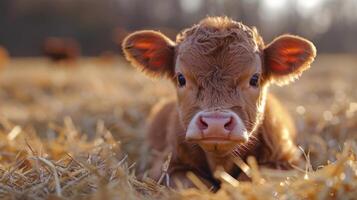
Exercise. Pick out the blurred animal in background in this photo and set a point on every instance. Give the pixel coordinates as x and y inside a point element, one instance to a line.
<point>61,49</point>
<point>4,57</point>
<point>222,70</point>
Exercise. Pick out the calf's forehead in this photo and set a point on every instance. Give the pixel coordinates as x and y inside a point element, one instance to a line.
<point>218,46</point>
<point>235,58</point>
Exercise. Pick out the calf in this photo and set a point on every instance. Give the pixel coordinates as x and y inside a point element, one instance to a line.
<point>222,70</point>
<point>61,49</point>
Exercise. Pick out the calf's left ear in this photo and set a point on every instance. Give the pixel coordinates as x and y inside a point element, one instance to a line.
<point>286,57</point>
<point>151,52</point>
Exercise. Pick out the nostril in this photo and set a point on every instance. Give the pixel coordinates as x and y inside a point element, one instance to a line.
<point>230,124</point>
<point>202,125</point>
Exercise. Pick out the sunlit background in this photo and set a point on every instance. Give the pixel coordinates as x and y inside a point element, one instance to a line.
<point>99,26</point>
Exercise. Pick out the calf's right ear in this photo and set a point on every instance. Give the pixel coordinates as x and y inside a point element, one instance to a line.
<point>151,52</point>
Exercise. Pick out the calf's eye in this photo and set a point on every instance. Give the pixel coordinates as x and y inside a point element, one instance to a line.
<point>254,81</point>
<point>181,81</point>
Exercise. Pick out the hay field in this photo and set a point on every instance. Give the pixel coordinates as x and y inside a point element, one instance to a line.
<point>76,132</point>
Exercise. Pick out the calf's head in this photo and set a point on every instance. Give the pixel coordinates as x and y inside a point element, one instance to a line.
<point>221,69</point>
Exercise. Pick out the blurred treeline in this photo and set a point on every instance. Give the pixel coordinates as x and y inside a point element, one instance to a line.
<point>99,25</point>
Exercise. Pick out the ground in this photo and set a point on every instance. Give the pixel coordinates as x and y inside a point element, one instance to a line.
<point>73,130</point>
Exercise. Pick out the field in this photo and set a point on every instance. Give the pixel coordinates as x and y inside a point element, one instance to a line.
<point>71,131</point>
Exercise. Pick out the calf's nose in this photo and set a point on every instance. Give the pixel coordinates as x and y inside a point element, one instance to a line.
<point>215,124</point>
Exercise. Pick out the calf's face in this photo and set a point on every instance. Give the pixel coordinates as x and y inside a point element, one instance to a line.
<point>221,70</point>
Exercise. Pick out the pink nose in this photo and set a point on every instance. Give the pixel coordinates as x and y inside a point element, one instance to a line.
<point>216,126</point>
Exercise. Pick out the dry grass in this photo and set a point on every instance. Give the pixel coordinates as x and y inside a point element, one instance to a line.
<point>71,133</point>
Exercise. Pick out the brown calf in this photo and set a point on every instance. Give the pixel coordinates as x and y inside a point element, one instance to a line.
<point>222,70</point>
<point>61,49</point>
